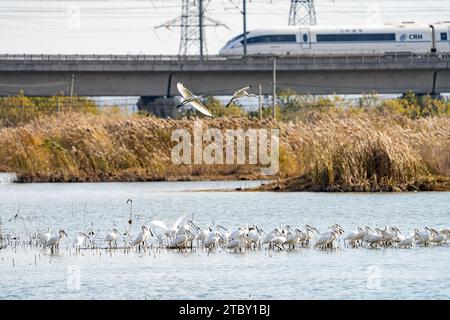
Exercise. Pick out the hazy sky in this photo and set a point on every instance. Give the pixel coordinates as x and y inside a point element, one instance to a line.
<point>116,26</point>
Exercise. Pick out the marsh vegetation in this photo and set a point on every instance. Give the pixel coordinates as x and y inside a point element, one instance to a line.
<point>326,143</point>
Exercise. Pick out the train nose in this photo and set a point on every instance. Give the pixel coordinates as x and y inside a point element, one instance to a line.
<point>224,51</point>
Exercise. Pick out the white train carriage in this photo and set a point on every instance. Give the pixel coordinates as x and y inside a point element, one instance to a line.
<point>355,40</point>
<point>442,37</point>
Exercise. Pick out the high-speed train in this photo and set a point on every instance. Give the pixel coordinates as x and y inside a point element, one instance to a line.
<point>317,40</point>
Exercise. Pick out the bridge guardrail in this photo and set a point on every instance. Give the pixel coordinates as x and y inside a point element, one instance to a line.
<point>214,59</point>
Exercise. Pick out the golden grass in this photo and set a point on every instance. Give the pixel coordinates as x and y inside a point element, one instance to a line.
<point>326,151</point>
<point>87,147</point>
<point>370,152</point>
<point>327,144</point>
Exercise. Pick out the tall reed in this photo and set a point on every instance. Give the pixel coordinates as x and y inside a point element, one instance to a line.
<point>326,144</point>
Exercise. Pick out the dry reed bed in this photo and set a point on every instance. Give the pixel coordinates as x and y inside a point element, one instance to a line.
<point>328,151</point>
<point>370,152</point>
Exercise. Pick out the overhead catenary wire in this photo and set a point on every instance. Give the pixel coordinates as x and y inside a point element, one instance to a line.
<point>109,20</point>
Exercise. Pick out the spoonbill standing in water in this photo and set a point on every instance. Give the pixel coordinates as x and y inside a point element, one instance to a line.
<point>270,237</point>
<point>79,241</point>
<point>181,239</point>
<point>168,231</point>
<point>45,237</point>
<point>436,237</point>
<point>253,236</point>
<point>142,237</point>
<point>325,239</point>
<point>423,236</point>
<point>225,234</point>
<point>112,237</point>
<point>407,242</point>
<point>53,241</point>
<point>355,236</point>
<point>373,238</point>
<point>310,233</point>
<point>213,240</point>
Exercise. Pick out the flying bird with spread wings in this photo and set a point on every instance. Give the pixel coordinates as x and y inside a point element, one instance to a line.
<point>193,100</point>
<point>240,94</point>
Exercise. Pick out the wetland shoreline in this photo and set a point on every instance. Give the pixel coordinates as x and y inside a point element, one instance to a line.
<point>391,145</point>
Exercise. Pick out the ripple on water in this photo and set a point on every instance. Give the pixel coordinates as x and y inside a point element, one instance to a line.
<point>306,273</point>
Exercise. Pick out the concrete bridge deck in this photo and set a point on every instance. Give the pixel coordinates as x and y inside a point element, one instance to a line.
<point>148,75</point>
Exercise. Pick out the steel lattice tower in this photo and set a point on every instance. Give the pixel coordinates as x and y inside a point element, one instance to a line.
<point>302,12</point>
<point>192,24</point>
<point>192,35</point>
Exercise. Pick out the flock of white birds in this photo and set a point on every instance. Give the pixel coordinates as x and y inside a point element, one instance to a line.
<point>196,101</point>
<point>188,236</point>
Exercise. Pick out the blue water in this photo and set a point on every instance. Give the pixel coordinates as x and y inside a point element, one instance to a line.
<point>305,273</point>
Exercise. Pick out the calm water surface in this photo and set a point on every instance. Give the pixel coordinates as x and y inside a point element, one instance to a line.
<point>301,274</point>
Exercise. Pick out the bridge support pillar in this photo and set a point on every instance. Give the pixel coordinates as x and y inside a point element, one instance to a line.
<point>160,106</point>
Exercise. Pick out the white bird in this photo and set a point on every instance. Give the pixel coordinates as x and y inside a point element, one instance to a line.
<point>142,237</point>
<point>446,233</point>
<point>390,233</point>
<point>193,232</point>
<point>45,236</point>
<point>193,100</point>
<point>279,239</point>
<point>337,229</point>
<point>181,239</point>
<point>168,231</point>
<point>423,236</point>
<point>53,241</point>
<point>398,235</point>
<point>197,234</point>
<point>234,244</point>
<point>310,233</point>
<point>437,237</point>
<point>269,238</point>
<point>301,236</point>
<point>239,232</point>
<point>408,242</point>
<point>237,238</point>
<point>325,239</point>
<point>240,94</point>
<point>225,234</point>
<point>112,237</point>
<point>295,236</point>
<point>213,240</point>
<point>253,236</point>
<point>79,240</point>
<point>203,234</point>
<point>291,239</point>
<point>373,238</point>
<point>355,236</point>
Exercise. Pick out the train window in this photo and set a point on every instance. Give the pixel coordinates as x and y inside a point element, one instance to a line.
<point>272,38</point>
<point>305,38</point>
<point>237,37</point>
<point>444,36</point>
<point>356,37</point>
